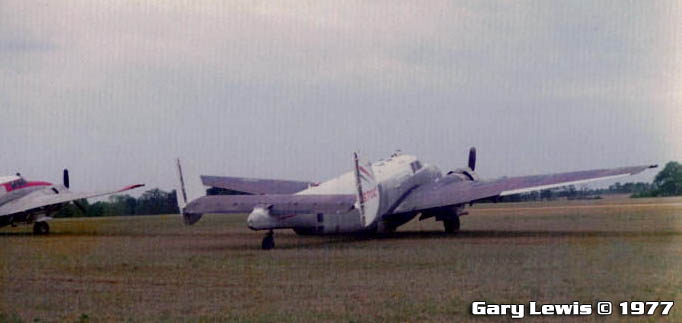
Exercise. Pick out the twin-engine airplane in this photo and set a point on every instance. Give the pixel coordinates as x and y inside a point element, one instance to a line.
<point>376,197</point>
<point>24,202</point>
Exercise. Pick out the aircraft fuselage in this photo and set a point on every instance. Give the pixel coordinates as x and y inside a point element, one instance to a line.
<point>13,188</point>
<point>395,177</point>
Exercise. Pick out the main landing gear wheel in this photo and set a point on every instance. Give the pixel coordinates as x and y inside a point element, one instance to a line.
<point>41,228</point>
<point>268,241</point>
<point>451,225</point>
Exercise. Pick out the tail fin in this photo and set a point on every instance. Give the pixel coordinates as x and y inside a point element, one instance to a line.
<point>181,203</point>
<point>189,218</point>
<point>368,192</point>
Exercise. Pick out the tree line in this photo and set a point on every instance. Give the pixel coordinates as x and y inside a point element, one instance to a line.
<point>151,202</point>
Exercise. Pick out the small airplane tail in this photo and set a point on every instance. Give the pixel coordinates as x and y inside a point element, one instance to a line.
<point>182,192</point>
<point>181,195</point>
<point>367,192</point>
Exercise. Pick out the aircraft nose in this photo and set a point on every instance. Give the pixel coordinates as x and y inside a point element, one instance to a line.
<point>258,219</point>
<point>250,222</point>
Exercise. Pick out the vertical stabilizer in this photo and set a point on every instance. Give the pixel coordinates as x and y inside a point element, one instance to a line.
<point>368,192</point>
<point>182,196</point>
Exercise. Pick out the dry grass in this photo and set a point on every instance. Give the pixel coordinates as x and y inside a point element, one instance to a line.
<point>154,268</point>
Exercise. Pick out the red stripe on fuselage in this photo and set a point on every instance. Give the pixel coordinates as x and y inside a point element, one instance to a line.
<point>9,188</point>
<point>284,217</point>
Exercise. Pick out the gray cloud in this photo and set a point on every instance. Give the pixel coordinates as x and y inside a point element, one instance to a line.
<point>289,89</point>
<point>23,45</point>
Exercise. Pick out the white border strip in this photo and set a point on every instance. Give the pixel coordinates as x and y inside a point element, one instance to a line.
<point>544,187</point>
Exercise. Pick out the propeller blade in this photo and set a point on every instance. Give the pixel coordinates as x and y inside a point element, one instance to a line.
<point>472,158</point>
<point>80,206</point>
<point>66,178</point>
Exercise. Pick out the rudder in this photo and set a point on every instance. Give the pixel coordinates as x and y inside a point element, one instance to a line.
<point>367,192</point>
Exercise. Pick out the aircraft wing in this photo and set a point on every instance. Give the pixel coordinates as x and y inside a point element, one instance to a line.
<point>278,203</point>
<point>53,195</point>
<point>256,185</point>
<point>448,191</point>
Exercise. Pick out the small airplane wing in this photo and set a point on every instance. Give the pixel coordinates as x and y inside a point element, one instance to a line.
<point>53,195</point>
<point>278,203</point>
<point>449,191</point>
<point>256,185</point>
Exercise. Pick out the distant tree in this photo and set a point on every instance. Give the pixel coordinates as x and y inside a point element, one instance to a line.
<point>534,195</point>
<point>124,204</point>
<point>154,201</point>
<point>72,210</point>
<point>668,182</point>
<point>172,203</point>
<point>97,209</point>
<point>546,195</point>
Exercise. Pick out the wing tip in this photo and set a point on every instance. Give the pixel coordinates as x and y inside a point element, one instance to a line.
<point>643,168</point>
<point>127,188</point>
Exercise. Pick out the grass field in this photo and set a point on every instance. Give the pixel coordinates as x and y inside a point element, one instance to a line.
<point>155,268</point>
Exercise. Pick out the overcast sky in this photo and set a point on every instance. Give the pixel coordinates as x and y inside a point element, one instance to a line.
<point>116,90</point>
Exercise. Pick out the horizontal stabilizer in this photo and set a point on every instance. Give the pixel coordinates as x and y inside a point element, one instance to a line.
<point>278,203</point>
<point>256,185</point>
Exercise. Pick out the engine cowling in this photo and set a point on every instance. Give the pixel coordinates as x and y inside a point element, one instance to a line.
<point>261,219</point>
<point>468,173</point>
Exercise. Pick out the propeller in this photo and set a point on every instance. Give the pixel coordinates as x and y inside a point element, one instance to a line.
<point>67,183</point>
<point>66,178</point>
<point>472,158</point>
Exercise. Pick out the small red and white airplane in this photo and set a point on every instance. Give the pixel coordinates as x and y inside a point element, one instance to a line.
<point>32,202</point>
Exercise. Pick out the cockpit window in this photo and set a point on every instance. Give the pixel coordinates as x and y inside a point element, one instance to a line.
<point>416,165</point>
<point>18,183</point>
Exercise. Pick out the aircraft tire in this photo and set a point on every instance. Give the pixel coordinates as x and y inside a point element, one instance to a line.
<point>268,242</point>
<point>41,228</point>
<point>451,225</point>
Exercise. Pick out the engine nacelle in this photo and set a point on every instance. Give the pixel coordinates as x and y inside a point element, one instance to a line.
<point>444,213</point>
<point>261,219</point>
<point>466,174</point>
